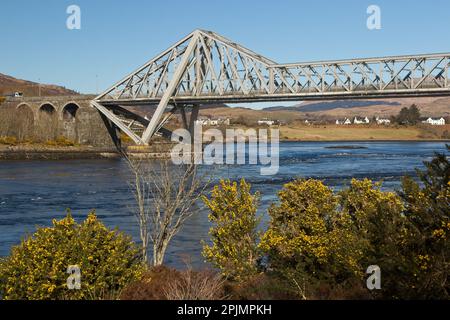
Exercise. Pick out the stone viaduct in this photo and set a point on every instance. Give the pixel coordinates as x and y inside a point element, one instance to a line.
<point>46,118</point>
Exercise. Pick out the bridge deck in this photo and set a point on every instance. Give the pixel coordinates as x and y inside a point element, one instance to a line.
<point>301,96</point>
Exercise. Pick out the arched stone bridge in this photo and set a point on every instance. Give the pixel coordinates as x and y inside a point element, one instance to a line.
<point>46,118</point>
<point>63,107</point>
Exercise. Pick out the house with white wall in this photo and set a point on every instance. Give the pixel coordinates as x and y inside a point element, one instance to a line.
<point>435,122</point>
<point>212,122</point>
<point>361,121</point>
<point>266,122</point>
<point>346,121</point>
<point>382,121</point>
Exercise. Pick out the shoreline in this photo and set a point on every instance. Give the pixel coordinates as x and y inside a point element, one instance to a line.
<point>21,153</point>
<point>367,140</point>
<point>8,155</point>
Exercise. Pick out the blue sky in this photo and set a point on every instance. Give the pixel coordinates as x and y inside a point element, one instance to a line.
<point>118,36</point>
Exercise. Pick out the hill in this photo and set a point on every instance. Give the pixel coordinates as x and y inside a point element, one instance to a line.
<point>429,106</point>
<point>9,85</point>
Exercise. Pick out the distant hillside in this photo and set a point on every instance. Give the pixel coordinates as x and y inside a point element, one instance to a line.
<point>330,105</point>
<point>9,85</point>
<point>430,106</point>
<point>332,110</point>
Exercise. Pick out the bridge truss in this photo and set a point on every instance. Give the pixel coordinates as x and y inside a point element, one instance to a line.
<point>205,68</point>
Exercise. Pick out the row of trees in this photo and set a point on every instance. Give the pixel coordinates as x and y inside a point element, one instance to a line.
<point>408,116</point>
<point>319,242</point>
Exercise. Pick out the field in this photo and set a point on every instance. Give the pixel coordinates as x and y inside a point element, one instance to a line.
<point>362,133</point>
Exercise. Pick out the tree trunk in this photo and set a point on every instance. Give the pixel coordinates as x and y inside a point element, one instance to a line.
<point>159,251</point>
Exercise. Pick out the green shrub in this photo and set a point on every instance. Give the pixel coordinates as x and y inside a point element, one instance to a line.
<point>309,242</point>
<point>381,229</point>
<point>234,234</point>
<point>428,247</point>
<point>37,268</point>
<point>319,244</point>
<point>323,242</point>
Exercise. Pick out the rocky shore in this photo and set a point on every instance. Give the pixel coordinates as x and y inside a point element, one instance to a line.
<point>45,152</point>
<point>54,153</point>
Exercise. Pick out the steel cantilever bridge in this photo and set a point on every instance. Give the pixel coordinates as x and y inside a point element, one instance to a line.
<point>205,68</point>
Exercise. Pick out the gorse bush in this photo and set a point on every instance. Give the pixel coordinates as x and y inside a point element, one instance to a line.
<point>319,243</point>
<point>37,268</point>
<point>428,214</point>
<point>379,229</point>
<point>234,234</point>
<point>308,240</point>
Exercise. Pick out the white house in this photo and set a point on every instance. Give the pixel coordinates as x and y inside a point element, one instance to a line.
<point>212,122</point>
<point>266,122</point>
<point>435,122</point>
<point>15,95</point>
<point>346,121</point>
<point>363,121</point>
<point>382,121</point>
<point>202,122</point>
<point>225,121</point>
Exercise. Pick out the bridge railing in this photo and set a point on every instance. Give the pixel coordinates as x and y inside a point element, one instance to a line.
<point>402,75</point>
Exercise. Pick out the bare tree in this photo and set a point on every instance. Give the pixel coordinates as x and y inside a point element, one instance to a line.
<point>191,285</point>
<point>164,194</point>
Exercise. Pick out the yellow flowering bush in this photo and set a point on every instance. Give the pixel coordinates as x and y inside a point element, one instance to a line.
<point>320,243</point>
<point>37,268</point>
<point>379,224</point>
<point>428,214</point>
<point>308,237</point>
<point>234,234</point>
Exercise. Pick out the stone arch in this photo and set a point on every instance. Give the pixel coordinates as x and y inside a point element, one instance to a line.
<point>47,128</point>
<point>69,111</point>
<point>47,108</point>
<point>26,108</point>
<point>24,122</point>
<point>69,123</point>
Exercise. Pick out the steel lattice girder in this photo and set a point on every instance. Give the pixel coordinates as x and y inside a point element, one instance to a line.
<point>205,67</point>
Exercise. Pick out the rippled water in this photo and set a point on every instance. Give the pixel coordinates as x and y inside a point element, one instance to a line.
<point>32,193</point>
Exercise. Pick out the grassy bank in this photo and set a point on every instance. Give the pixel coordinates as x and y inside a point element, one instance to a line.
<point>363,133</point>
